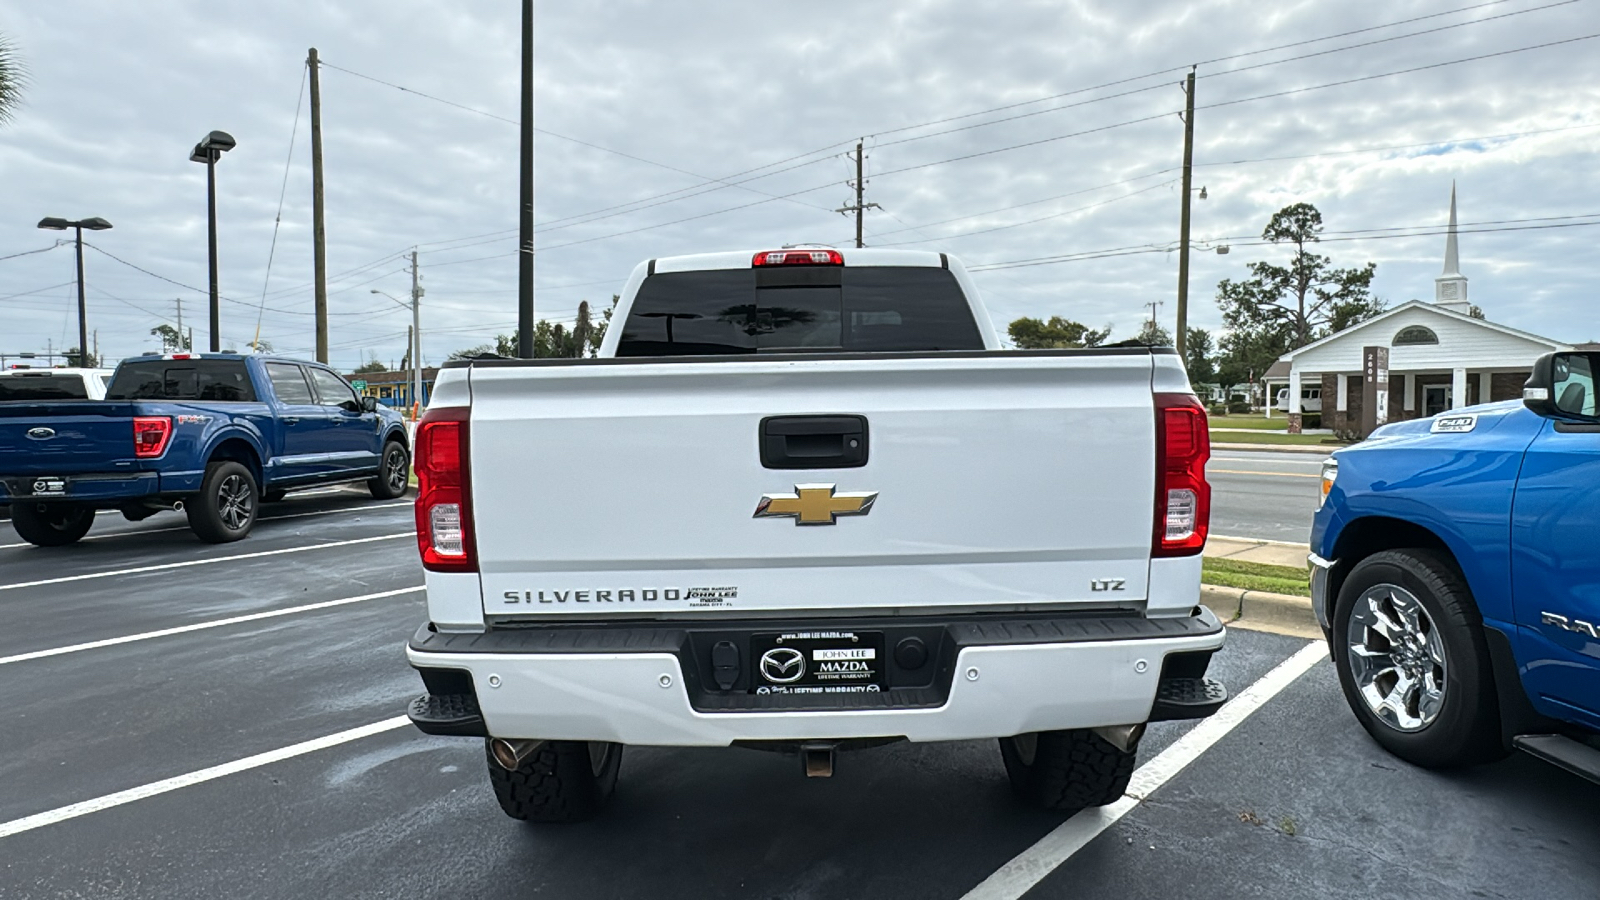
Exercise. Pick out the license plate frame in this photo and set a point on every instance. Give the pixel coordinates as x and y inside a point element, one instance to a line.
<point>830,662</point>
<point>54,485</point>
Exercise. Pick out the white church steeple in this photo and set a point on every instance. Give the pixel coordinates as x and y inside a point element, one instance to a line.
<point>1450,288</point>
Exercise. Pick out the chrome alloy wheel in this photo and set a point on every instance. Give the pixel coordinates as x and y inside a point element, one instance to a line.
<point>235,501</point>
<point>394,469</point>
<point>1396,657</point>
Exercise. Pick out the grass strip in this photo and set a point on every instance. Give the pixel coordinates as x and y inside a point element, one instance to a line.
<point>1256,576</point>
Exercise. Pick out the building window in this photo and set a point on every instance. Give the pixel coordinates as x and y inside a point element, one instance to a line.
<point>1415,335</point>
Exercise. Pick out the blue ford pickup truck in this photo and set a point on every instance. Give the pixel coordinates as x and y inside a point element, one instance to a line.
<point>209,434</point>
<point>1456,573</point>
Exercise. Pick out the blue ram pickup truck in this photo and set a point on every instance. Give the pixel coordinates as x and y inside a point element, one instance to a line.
<point>210,434</point>
<point>1456,574</point>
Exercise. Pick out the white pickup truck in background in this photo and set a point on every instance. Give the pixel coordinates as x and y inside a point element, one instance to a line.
<point>805,502</point>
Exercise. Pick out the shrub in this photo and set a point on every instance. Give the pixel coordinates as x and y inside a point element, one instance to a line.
<point>1238,407</point>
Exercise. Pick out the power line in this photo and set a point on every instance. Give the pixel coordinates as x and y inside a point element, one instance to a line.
<point>32,252</point>
<point>1186,66</point>
<point>1367,234</point>
<point>283,191</point>
<point>39,290</point>
<point>1058,215</point>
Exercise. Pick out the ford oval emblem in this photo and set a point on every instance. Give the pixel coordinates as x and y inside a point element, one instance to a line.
<point>41,434</point>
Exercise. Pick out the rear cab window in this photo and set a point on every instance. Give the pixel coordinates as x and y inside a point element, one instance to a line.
<point>289,384</point>
<point>800,308</point>
<point>225,380</point>
<point>45,386</point>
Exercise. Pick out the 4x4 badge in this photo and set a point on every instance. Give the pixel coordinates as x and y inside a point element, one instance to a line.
<point>815,504</point>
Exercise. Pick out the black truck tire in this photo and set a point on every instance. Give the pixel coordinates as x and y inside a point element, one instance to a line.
<point>562,781</point>
<point>225,508</point>
<point>51,524</point>
<point>1067,770</point>
<point>1440,641</point>
<point>394,472</point>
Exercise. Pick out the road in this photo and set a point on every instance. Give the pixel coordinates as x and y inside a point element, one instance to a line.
<point>136,663</point>
<point>1263,494</point>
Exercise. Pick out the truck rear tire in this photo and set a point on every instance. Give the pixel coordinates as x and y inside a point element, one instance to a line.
<point>394,472</point>
<point>562,781</point>
<point>225,508</point>
<point>1067,771</point>
<point>51,524</point>
<point>1409,648</point>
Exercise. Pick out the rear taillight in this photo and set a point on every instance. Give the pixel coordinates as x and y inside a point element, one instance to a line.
<point>150,436</point>
<point>1183,497</point>
<point>444,508</point>
<point>798,258</point>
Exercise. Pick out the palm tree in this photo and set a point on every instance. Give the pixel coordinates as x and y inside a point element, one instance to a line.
<point>12,77</point>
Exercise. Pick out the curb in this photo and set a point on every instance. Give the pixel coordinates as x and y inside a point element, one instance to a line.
<point>1281,448</point>
<point>1262,611</point>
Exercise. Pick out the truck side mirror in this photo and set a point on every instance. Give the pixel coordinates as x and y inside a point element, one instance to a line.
<point>369,404</point>
<point>1562,385</point>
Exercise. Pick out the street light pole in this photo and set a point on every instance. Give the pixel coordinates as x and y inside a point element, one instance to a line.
<point>95,224</point>
<point>208,151</point>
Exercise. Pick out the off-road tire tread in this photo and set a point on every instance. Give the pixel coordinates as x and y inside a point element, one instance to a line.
<point>40,533</point>
<point>555,784</point>
<point>1071,770</point>
<point>1478,739</point>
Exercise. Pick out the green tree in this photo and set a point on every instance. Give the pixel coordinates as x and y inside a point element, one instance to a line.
<point>371,367</point>
<point>1197,349</point>
<point>171,340</point>
<point>553,340</point>
<point>1056,334</point>
<point>1153,334</point>
<point>76,360</point>
<point>1303,301</point>
<point>12,79</point>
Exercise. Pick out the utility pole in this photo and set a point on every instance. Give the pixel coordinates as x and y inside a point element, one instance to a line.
<point>525,207</point>
<point>1180,339</point>
<point>97,348</point>
<point>416,331</point>
<point>180,325</point>
<point>1153,304</point>
<point>861,186</point>
<point>319,234</point>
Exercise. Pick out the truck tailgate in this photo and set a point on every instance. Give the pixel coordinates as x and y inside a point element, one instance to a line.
<point>1002,480</point>
<point>85,436</point>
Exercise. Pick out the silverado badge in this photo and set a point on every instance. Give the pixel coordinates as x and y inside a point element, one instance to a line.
<point>815,504</point>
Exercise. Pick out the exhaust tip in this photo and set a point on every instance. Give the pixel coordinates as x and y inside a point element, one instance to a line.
<point>509,753</point>
<point>177,506</point>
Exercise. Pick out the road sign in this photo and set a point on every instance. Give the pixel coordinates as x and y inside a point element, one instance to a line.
<point>359,385</point>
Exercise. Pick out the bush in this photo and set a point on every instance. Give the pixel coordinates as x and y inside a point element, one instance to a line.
<point>1311,420</point>
<point>1217,409</point>
<point>1238,408</point>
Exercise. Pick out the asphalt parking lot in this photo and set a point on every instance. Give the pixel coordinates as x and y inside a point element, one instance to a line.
<point>138,662</point>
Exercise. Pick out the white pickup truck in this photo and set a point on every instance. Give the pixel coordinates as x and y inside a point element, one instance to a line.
<point>804,502</point>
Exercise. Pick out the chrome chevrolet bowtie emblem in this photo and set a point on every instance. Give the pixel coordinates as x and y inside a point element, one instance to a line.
<point>781,665</point>
<point>815,504</point>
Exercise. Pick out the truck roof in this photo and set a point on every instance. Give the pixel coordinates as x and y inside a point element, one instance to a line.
<point>853,256</point>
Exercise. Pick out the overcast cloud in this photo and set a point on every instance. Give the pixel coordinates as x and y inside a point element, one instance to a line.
<point>120,92</point>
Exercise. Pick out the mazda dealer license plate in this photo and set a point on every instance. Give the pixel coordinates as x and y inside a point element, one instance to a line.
<point>818,662</point>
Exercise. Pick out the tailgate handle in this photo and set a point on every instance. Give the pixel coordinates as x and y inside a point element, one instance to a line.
<point>813,442</point>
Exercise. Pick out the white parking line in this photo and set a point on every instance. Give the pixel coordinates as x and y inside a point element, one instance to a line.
<point>298,515</point>
<point>204,562</point>
<point>1027,869</point>
<point>201,626</point>
<point>63,813</point>
<point>1011,881</point>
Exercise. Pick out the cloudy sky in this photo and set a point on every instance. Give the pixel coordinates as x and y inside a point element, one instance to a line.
<point>996,132</point>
